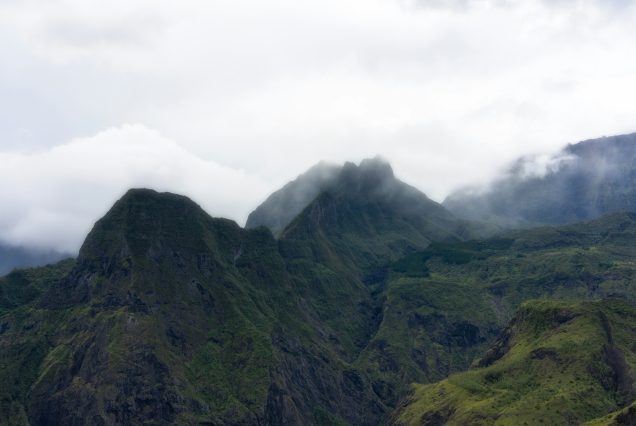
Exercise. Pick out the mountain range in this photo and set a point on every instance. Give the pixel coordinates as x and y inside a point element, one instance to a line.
<point>583,181</point>
<point>350,297</point>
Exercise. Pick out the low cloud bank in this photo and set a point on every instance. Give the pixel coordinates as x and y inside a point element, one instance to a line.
<point>51,198</point>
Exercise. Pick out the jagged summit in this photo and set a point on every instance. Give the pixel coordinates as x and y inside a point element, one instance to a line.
<point>376,168</point>
<point>368,208</point>
<point>372,175</point>
<point>283,205</point>
<point>372,179</point>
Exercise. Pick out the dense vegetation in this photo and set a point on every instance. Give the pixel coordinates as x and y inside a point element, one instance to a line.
<point>558,362</point>
<point>169,316</point>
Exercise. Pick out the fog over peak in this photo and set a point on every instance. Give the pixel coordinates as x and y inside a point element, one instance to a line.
<point>581,182</point>
<point>62,191</point>
<point>228,101</point>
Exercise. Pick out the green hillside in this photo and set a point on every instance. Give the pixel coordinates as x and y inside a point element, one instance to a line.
<point>170,316</point>
<point>557,362</point>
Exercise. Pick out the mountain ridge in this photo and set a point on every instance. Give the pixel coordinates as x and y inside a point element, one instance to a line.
<point>171,316</point>
<point>582,181</point>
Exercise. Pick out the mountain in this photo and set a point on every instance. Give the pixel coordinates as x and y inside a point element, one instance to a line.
<point>443,306</point>
<point>557,362</point>
<point>12,257</point>
<point>283,206</point>
<point>170,316</point>
<point>583,181</point>
<point>368,209</point>
<point>372,181</point>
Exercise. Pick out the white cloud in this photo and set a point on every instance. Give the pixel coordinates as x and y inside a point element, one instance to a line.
<point>448,91</point>
<point>54,196</point>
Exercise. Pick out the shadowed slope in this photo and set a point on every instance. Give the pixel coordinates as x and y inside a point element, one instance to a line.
<point>281,207</point>
<point>170,316</point>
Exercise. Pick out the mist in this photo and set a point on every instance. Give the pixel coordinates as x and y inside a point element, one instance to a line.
<point>227,101</point>
<point>580,182</point>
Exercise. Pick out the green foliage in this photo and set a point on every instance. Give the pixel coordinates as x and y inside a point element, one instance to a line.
<point>21,287</point>
<point>564,363</point>
<point>330,323</point>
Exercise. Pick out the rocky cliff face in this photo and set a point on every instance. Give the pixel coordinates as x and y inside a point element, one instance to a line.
<point>170,316</point>
<point>283,206</point>
<point>556,363</point>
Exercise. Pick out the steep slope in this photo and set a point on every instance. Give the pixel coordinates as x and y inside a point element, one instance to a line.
<point>281,207</point>
<point>623,417</point>
<point>368,217</point>
<point>582,182</point>
<point>346,238</point>
<point>155,296</point>
<point>170,316</point>
<point>444,305</point>
<point>556,363</point>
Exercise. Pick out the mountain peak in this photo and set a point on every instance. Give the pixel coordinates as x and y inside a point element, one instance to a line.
<point>581,182</point>
<point>371,174</point>
<point>139,216</point>
<point>284,204</point>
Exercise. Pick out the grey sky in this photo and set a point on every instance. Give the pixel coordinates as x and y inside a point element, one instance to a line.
<point>225,101</point>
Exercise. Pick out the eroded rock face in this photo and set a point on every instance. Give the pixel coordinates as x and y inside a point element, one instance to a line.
<point>306,381</point>
<point>281,207</point>
<point>187,320</point>
<point>169,316</point>
<point>550,351</point>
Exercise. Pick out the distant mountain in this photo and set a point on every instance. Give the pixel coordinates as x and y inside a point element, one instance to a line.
<point>582,182</point>
<point>170,316</point>
<point>283,205</point>
<point>12,257</point>
<point>556,363</point>
<point>211,322</point>
<point>368,209</point>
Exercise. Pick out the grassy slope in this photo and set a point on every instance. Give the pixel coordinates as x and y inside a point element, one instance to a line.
<point>622,417</point>
<point>445,305</point>
<point>563,363</point>
<point>172,316</point>
<point>163,301</point>
<point>24,350</point>
<point>214,323</point>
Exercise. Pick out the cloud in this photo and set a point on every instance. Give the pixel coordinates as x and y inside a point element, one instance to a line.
<point>55,195</point>
<point>449,92</point>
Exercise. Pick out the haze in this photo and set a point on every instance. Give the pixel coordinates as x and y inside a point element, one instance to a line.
<point>225,101</point>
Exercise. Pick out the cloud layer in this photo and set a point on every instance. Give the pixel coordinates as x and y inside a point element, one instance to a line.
<point>62,191</point>
<point>448,91</point>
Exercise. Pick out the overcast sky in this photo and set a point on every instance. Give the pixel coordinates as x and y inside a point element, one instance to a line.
<point>226,100</point>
